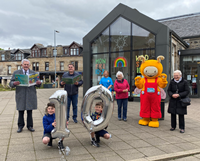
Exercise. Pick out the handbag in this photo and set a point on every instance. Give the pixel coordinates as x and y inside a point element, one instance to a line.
<point>185,101</point>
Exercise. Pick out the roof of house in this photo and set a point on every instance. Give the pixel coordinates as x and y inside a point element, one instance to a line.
<point>184,26</point>
<point>24,51</point>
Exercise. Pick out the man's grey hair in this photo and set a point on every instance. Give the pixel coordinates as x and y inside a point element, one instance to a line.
<point>179,72</point>
<point>25,60</point>
<point>120,73</point>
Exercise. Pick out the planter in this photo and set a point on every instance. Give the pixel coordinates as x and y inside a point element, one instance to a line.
<point>47,85</point>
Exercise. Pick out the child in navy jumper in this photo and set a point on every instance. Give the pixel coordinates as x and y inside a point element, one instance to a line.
<point>49,123</point>
<point>102,133</point>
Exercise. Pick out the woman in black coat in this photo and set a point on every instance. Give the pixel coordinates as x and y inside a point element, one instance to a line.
<point>178,88</point>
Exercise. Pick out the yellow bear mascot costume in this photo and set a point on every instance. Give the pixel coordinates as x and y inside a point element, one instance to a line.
<point>150,96</point>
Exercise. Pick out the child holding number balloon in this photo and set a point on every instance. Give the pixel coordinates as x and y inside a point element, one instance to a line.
<point>49,123</point>
<point>102,133</point>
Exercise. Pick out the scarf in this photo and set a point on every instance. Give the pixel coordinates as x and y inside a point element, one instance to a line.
<point>177,81</point>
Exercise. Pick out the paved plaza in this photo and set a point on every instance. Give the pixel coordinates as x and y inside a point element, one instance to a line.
<point>129,141</point>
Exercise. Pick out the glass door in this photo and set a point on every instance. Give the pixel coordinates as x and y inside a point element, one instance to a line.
<point>191,74</point>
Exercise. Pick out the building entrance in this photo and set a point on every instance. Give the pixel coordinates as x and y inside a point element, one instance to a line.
<point>191,72</point>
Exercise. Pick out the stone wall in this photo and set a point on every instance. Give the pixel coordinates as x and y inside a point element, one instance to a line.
<point>193,42</point>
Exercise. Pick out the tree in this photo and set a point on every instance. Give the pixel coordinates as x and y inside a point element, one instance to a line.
<point>1,49</point>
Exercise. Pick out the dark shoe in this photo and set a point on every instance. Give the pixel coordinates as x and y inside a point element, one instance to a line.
<point>19,130</point>
<point>31,129</point>
<point>50,143</point>
<point>94,143</point>
<point>125,120</point>
<point>75,121</point>
<point>60,145</point>
<point>97,139</point>
<point>172,129</point>
<point>182,131</point>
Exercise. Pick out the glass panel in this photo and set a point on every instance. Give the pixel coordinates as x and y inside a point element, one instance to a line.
<point>3,57</point>
<point>120,62</point>
<point>142,38</point>
<point>9,69</point>
<point>120,32</point>
<point>101,44</point>
<point>33,66</point>
<point>77,51</point>
<point>190,73</point>
<point>148,54</point>
<point>72,51</point>
<point>100,63</point>
<point>18,67</point>
<point>37,66</point>
<point>76,65</point>
<point>46,66</point>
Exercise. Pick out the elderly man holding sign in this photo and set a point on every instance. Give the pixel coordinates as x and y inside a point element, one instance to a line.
<point>71,81</point>
<point>26,97</point>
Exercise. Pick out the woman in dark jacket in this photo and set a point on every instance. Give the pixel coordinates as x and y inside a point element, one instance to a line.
<point>178,88</point>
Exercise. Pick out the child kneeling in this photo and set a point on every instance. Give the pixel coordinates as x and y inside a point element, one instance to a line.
<point>102,133</point>
<point>49,123</point>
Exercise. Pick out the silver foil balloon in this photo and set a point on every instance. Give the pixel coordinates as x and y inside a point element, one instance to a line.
<point>93,93</point>
<point>59,98</point>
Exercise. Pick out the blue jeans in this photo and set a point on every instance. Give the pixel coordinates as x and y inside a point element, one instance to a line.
<point>74,100</point>
<point>119,103</point>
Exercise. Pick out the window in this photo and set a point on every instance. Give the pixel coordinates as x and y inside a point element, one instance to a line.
<point>19,56</point>
<point>72,51</point>
<point>77,51</point>
<point>65,51</point>
<point>44,52</point>
<point>61,66</point>
<point>18,67</point>
<point>9,69</point>
<point>35,53</point>
<point>75,63</point>
<point>37,66</point>
<point>33,65</point>
<point>47,66</point>
<point>2,57</point>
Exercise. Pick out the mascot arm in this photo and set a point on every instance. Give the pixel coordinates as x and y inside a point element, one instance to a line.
<point>139,82</point>
<point>162,81</point>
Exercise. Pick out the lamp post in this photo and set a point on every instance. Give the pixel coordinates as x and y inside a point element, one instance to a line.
<point>55,52</point>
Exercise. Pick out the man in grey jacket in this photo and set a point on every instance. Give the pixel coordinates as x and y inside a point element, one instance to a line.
<point>26,97</point>
<point>72,91</point>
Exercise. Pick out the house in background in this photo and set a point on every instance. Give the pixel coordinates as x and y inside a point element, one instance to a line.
<point>187,60</point>
<point>42,60</point>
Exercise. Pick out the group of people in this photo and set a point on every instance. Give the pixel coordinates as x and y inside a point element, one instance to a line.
<point>26,99</point>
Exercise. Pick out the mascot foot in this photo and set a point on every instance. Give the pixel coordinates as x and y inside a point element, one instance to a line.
<point>144,121</point>
<point>154,123</point>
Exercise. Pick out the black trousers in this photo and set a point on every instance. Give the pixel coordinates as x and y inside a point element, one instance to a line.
<point>181,121</point>
<point>29,119</point>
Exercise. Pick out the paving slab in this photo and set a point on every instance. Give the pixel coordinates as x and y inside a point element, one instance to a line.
<point>129,141</point>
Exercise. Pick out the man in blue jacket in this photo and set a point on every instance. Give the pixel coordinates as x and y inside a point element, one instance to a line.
<point>72,91</point>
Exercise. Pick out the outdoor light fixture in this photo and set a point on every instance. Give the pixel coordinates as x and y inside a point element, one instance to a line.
<point>55,52</point>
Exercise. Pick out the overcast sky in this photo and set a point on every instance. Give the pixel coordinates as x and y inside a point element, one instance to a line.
<point>26,22</point>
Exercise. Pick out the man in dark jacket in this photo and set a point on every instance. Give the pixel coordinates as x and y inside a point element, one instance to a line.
<point>178,89</point>
<point>26,97</point>
<point>72,91</point>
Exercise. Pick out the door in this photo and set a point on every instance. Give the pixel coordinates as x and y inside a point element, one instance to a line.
<point>191,73</point>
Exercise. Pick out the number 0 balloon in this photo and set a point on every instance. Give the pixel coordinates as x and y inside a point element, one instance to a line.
<point>93,93</point>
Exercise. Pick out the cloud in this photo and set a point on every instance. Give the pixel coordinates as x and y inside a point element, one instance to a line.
<point>25,22</point>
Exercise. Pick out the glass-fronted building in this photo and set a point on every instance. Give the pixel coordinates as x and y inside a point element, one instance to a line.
<point>117,41</point>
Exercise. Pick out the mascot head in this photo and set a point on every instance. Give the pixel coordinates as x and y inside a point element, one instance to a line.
<point>151,68</point>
